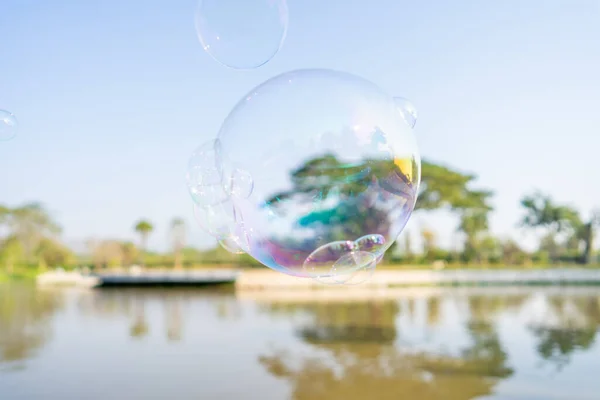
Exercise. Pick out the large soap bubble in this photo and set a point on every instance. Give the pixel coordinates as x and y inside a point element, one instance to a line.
<point>319,173</point>
<point>407,110</point>
<point>242,34</point>
<point>8,125</point>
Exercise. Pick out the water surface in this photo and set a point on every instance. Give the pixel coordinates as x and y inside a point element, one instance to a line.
<point>478,343</point>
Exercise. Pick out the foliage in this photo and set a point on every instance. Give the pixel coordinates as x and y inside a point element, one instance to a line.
<point>442,187</point>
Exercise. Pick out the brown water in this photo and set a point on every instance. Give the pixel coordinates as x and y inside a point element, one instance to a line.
<point>196,344</point>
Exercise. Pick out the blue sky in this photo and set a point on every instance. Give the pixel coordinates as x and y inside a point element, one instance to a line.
<point>113,96</point>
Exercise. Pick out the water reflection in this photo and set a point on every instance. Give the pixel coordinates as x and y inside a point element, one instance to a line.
<point>133,304</point>
<point>361,359</point>
<point>425,344</point>
<point>570,326</point>
<point>25,321</point>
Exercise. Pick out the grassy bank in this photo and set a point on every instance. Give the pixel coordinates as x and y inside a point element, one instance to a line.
<point>19,275</point>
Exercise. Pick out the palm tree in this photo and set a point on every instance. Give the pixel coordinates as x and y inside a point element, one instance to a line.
<point>144,228</point>
<point>178,232</point>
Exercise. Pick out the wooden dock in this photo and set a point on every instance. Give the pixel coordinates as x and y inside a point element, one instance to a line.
<point>169,278</point>
<point>139,278</point>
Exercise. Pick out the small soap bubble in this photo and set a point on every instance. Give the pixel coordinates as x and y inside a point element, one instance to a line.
<point>204,175</point>
<point>319,263</point>
<point>407,110</point>
<point>8,125</point>
<point>242,34</point>
<point>231,245</point>
<point>354,268</point>
<point>374,244</point>
<point>219,220</point>
<point>239,184</point>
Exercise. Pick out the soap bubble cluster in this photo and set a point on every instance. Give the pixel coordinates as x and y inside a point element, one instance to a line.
<point>8,125</point>
<point>242,34</point>
<point>314,173</point>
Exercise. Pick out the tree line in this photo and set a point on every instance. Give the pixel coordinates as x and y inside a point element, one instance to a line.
<point>29,235</point>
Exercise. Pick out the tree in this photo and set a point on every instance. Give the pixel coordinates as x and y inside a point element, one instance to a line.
<point>429,243</point>
<point>129,253</point>
<point>512,253</point>
<point>106,253</point>
<point>50,253</point>
<point>473,223</point>
<point>542,212</point>
<point>445,188</point>
<point>178,233</point>
<point>29,224</point>
<point>357,205</point>
<point>11,252</point>
<point>442,187</point>
<point>143,228</point>
<point>585,233</point>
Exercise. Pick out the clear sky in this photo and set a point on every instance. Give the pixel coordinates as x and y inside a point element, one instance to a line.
<point>113,96</point>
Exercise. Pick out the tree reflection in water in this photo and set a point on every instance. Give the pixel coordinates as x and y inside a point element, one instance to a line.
<point>569,327</point>
<point>138,304</point>
<point>25,320</point>
<point>358,356</point>
<point>361,360</point>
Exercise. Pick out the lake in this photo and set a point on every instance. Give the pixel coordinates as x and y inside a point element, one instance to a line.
<point>423,343</point>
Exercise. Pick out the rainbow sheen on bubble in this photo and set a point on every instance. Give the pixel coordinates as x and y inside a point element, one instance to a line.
<point>407,110</point>
<point>241,34</point>
<point>354,268</point>
<point>8,125</point>
<point>318,174</point>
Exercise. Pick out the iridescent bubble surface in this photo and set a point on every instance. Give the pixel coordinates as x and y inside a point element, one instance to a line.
<point>407,110</point>
<point>242,34</point>
<point>323,171</point>
<point>354,268</point>
<point>8,125</point>
<point>204,175</point>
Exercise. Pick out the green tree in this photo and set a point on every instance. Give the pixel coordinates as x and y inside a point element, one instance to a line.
<point>11,252</point>
<point>51,253</point>
<point>357,211</point>
<point>444,188</point>
<point>473,223</point>
<point>178,234</point>
<point>429,243</point>
<point>129,253</point>
<point>542,212</point>
<point>29,224</point>
<point>143,228</point>
<point>512,253</point>
<point>585,233</point>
